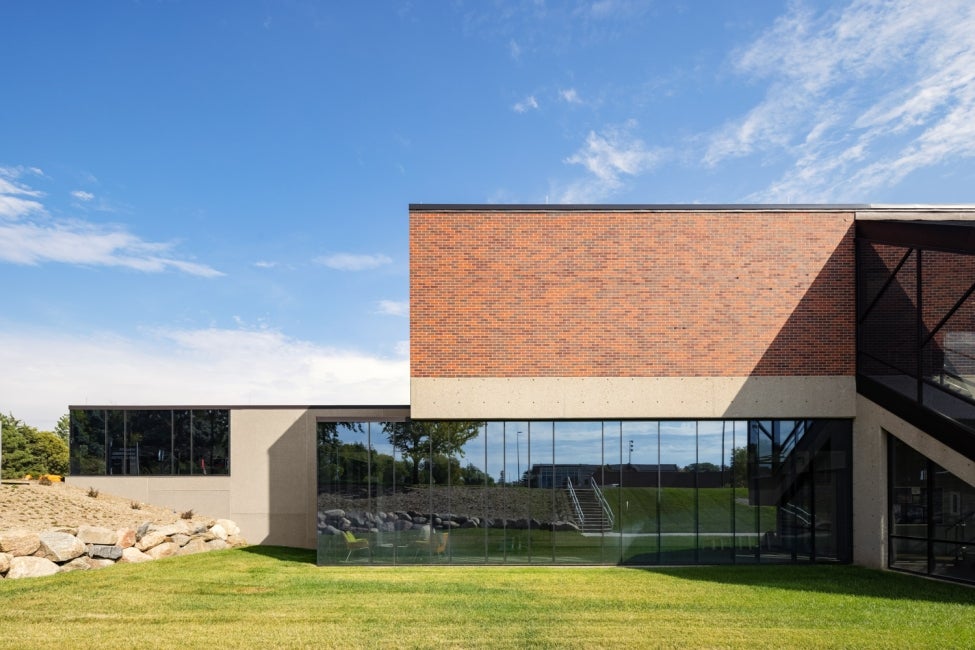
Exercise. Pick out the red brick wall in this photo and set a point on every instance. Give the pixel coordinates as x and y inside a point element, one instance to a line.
<point>631,294</point>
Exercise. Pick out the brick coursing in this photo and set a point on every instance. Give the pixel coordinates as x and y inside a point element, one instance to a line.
<point>631,294</point>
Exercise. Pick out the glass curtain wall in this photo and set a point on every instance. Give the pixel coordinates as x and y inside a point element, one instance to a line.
<point>584,492</point>
<point>149,442</point>
<point>932,516</point>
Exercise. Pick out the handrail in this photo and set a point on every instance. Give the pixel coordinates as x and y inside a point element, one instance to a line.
<point>575,501</point>
<point>607,511</point>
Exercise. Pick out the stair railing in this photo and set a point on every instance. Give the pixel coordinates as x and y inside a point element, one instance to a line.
<point>607,511</point>
<point>575,501</point>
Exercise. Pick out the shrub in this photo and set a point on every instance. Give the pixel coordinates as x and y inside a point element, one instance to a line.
<point>188,514</point>
<point>93,493</point>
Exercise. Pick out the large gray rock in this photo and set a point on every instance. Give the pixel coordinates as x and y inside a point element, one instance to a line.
<point>19,542</point>
<point>166,549</point>
<point>177,528</point>
<point>106,551</point>
<point>97,535</point>
<point>133,555</point>
<point>60,547</point>
<point>31,567</point>
<point>5,562</point>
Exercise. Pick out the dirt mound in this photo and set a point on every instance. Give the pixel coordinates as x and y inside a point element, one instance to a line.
<point>36,507</point>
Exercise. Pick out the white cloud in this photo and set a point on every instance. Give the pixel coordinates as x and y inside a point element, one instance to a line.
<point>527,104</point>
<point>264,264</point>
<point>353,261</point>
<point>28,236</point>
<point>88,245</point>
<point>609,157</point>
<point>82,195</point>
<point>514,50</point>
<point>858,97</point>
<point>570,96</point>
<point>192,367</point>
<point>394,307</point>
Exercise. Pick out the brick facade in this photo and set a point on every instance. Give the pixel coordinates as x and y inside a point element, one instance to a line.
<point>639,293</point>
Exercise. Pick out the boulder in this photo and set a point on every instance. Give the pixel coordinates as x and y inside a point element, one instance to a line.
<point>97,535</point>
<point>82,563</point>
<point>335,513</point>
<point>19,542</point>
<point>166,549</point>
<point>125,537</point>
<point>106,551</point>
<point>180,539</point>
<point>100,563</point>
<point>236,541</point>
<point>150,540</point>
<point>133,555</point>
<point>195,545</point>
<point>60,547</point>
<point>5,562</point>
<point>219,531</point>
<point>217,545</point>
<point>31,567</point>
<point>142,530</point>
<point>229,526</point>
<point>177,528</point>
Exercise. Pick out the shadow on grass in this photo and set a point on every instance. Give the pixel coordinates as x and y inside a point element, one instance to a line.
<point>836,579</point>
<point>283,553</point>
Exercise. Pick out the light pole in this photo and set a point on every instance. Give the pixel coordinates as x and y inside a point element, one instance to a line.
<point>518,453</point>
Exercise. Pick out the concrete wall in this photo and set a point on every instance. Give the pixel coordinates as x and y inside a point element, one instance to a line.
<point>870,480</point>
<point>524,398</point>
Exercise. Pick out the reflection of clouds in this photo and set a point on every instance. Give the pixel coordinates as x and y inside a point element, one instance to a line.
<point>498,446</point>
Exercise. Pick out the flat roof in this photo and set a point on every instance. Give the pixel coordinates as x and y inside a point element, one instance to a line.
<point>690,207</point>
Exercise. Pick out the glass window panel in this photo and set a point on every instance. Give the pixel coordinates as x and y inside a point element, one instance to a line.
<point>468,535</point>
<point>211,442</point>
<point>183,442</point>
<point>119,458</point>
<point>343,498</point>
<point>543,484</point>
<point>150,436</point>
<point>909,491</point>
<point>639,493</point>
<point>386,483</point>
<point>88,442</point>
<point>716,529</point>
<point>581,515</point>
<point>909,555</point>
<point>678,496</point>
<point>955,561</point>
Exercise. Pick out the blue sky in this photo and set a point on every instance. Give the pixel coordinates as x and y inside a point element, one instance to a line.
<point>207,202</point>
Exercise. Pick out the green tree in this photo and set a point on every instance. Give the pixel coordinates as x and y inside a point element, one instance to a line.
<point>29,451</point>
<point>420,441</point>
<point>63,428</point>
<point>739,467</point>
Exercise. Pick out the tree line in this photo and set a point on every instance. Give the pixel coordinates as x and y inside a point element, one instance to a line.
<point>27,450</point>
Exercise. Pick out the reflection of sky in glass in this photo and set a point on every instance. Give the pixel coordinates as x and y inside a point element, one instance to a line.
<point>514,446</point>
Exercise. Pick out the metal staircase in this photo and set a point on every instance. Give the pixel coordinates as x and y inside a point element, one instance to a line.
<point>591,510</point>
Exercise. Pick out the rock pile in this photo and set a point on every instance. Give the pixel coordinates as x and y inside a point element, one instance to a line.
<point>26,554</point>
<point>336,520</point>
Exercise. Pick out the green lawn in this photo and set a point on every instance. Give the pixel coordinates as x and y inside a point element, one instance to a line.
<point>275,597</point>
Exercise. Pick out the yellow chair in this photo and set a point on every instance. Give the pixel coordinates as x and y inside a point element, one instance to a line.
<point>353,544</point>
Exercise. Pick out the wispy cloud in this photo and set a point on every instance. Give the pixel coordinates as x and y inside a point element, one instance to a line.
<point>82,195</point>
<point>265,264</point>
<point>394,307</point>
<point>609,156</point>
<point>208,366</point>
<point>353,261</point>
<point>527,104</point>
<point>858,97</point>
<point>570,96</point>
<point>29,236</point>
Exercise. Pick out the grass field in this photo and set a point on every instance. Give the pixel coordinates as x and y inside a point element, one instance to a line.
<point>277,597</point>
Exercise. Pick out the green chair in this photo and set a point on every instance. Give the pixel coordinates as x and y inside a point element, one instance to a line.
<point>353,544</point>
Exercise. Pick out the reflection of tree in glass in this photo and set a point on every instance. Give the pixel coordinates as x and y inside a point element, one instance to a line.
<point>739,466</point>
<point>421,441</point>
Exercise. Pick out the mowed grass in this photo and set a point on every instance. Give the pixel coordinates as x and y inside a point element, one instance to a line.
<point>277,597</point>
